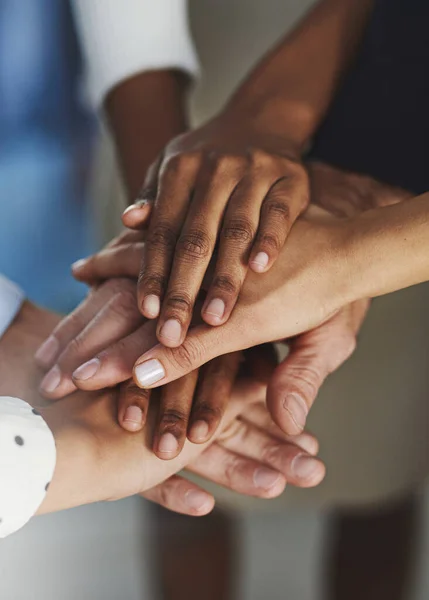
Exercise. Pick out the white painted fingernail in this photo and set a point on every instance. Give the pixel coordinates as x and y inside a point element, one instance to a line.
<point>87,370</point>
<point>149,372</point>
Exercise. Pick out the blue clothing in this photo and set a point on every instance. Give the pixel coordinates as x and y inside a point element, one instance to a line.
<point>45,140</point>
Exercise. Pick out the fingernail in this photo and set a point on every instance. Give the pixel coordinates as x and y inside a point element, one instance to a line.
<point>304,466</point>
<point>168,444</point>
<point>151,306</point>
<point>265,478</point>
<point>133,418</point>
<point>79,264</point>
<point>196,499</point>
<point>136,206</point>
<point>260,262</point>
<point>87,370</point>
<point>171,330</point>
<point>199,431</point>
<point>215,308</point>
<point>297,408</point>
<point>47,351</point>
<point>149,372</point>
<point>51,380</point>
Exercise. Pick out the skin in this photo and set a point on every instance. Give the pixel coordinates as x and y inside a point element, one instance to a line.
<point>238,181</point>
<point>92,449</point>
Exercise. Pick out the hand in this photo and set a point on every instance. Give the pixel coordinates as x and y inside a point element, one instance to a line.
<point>97,460</point>
<point>317,353</point>
<point>313,356</point>
<point>222,179</point>
<point>306,287</point>
<point>97,345</point>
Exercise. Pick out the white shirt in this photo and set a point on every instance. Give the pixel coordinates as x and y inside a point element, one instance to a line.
<point>121,38</point>
<point>27,446</point>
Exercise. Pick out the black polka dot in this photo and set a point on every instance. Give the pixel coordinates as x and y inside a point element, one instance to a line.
<point>19,440</point>
<point>47,486</point>
<point>35,412</point>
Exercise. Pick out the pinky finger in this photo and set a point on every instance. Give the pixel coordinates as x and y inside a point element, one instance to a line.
<point>281,207</point>
<point>181,496</point>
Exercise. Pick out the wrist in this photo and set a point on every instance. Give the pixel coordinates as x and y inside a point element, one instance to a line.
<point>145,112</point>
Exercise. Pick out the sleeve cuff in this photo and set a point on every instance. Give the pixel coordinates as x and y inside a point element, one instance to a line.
<point>27,463</point>
<point>11,299</point>
<point>123,39</point>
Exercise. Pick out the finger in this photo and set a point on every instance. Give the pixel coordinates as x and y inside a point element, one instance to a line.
<point>74,323</point>
<point>236,238</point>
<point>173,416</point>
<point>181,496</point>
<point>117,319</point>
<point>174,191</point>
<point>283,204</point>
<point>194,249</point>
<point>258,416</point>
<point>133,403</point>
<point>137,215</point>
<point>238,473</point>
<point>117,261</point>
<point>213,392</point>
<point>115,363</point>
<point>297,466</point>
<point>161,365</point>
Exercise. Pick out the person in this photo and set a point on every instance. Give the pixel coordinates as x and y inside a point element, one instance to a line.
<point>46,134</point>
<point>70,453</point>
<point>317,360</point>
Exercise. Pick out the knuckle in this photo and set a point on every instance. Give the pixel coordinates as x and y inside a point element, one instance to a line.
<point>226,284</point>
<point>187,355</point>
<point>181,162</point>
<point>233,471</point>
<point>206,410</point>
<point>270,241</point>
<point>153,282</point>
<point>193,244</point>
<point>272,454</point>
<point>306,378</point>
<point>162,237</point>
<point>123,303</point>
<point>278,209</point>
<point>239,230</point>
<point>181,303</point>
<point>174,421</point>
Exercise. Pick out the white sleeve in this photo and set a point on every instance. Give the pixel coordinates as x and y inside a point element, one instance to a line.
<point>121,38</point>
<point>11,298</point>
<point>27,446</point>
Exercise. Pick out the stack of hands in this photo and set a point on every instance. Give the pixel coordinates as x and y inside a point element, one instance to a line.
<point>185,301</point>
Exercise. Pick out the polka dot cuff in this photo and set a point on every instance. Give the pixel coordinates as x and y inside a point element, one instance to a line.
<point>27,463</point>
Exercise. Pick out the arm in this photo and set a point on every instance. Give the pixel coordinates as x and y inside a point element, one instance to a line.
<point>139,58</point>
<point>238,181</point>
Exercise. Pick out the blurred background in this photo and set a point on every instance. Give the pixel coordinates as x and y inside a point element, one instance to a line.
<point>60,200</point>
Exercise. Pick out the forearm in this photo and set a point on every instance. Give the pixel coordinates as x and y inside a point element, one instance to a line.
<point>144,113</point>
<point>290,90</point>
<point>389,248</point>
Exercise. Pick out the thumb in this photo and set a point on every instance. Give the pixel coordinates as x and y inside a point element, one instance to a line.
<point>203,343</point>
<point>294,386</point>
